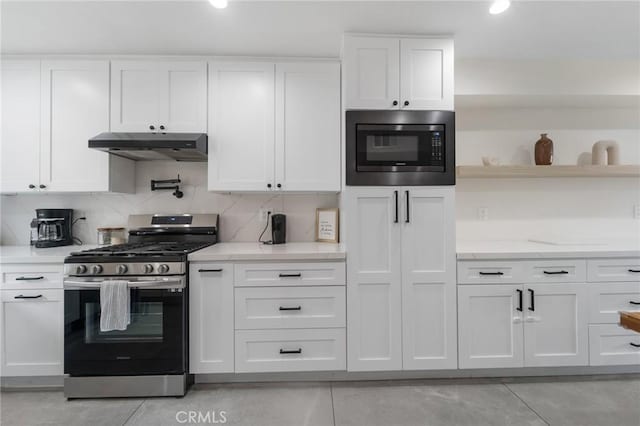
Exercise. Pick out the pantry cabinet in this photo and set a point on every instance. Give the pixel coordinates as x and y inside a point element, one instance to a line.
<point>274,127</point>
<point>398,73</point>
<point>158,96</point>
<point>401,269</point>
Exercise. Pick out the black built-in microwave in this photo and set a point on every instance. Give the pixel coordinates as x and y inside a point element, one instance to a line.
<point>400,148</point>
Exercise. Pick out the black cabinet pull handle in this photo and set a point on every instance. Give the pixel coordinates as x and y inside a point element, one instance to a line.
<point>635,345</point>
<point>555,272</point>
<point>161,127</point>
<point>635,271</point>
<point>490,273</point>
<point>532,306</point>
<point>395,193</point>
<point>293,351</point>
<point>27,297</point>
<point>210,270</point>
<point>519,308</point>
<point>298,275</point>
<point>152,127</point>
<point>31,186</point>
<point>29,278</point>
<point>407,219</point>
<point>294,308</point>
<point>406,103</point>
<point>268,185</point>
<point>279,185</point>
<point>42,186</point>
<point>634,303</point>
<point>395,103</point>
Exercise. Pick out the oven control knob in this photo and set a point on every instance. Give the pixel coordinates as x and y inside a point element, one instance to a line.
<point>163,269</point>
<point>148,268</point>
<point>81,269</point>
<point>96,269</point>
<point>122,269</point>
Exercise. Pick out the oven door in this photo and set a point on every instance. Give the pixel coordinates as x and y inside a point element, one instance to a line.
<point>153,343</point>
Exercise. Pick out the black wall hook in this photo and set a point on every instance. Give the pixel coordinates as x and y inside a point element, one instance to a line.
<point>157,185</point>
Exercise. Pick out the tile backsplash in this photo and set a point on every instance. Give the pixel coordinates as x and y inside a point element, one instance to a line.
<point>239,213</point>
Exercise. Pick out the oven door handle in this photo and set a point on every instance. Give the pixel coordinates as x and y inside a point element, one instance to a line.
<point>159,285</point>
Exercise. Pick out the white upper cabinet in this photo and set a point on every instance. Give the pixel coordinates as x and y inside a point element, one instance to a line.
<point>166,96</point>
<point>394,73</point>
<point>274,127</point>
<point>308,127</point>
<point>241,126</point>
<point>20,125</point>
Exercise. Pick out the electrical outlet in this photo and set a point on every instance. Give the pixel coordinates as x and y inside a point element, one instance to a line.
<point>263,214</point>
<point>636,211</point>
<point>483,213</point>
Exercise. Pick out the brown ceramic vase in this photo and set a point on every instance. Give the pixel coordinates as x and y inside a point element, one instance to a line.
<point>544,151</point>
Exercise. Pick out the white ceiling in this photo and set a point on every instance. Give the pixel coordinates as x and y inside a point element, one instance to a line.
<point>529,29</point>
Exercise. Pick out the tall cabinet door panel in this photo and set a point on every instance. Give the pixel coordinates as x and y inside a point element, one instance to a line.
<point>135,96</point>
<point>241,126</point>
<point>184,97</point>
<point>372,72</point>
<point>20,125</point>
<point>556,329</point>
<point>426,67</point>
<point>374,303</point>
<point>75,107</point>
<point>308,127</point>
<point>428,279</point>
<point>490,326</point>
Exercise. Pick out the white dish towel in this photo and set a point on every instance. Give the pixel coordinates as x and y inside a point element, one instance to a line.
<point>114,305</point>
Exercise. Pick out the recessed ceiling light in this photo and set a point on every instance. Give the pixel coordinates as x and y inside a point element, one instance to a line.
<point>499,6</point>
<point>219,4</point>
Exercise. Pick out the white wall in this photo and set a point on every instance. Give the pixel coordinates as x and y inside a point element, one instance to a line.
<point>239,212</point>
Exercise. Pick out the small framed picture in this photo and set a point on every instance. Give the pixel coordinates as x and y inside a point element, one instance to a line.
<point>328,225</point>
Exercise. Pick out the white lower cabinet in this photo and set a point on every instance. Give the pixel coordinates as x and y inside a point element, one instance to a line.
<point>211,318</point>
<point>610,344</point>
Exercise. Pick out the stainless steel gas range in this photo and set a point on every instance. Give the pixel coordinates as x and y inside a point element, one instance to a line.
<point>149,357</point>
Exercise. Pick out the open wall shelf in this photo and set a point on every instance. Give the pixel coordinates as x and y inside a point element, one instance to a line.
<point>463,172</point>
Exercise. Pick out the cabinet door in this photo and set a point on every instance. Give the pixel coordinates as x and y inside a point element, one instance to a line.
<point>241,126</point>
<point>426,79</point>
<point>75,107</point>
<point>308,127</point>
<point>490,331</point>
<point>428,279</point>
<point>183,96</point>
<point>136,95</point>
<point>20,125</point>
<point>211,318</point>
<point>556,329</point>
<point>374,304</point>
<point>31,332</point>
<point>372,72</point>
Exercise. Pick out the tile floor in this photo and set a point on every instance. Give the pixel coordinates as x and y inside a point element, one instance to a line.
<point>598,401</point>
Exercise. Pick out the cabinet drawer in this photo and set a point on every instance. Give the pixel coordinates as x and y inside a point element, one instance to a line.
<point>490,272</point>
<point>555,271</point>
<point>607,299</point>
<point>286,274</point>
<point>610,344</point>
<point>289,307</point>
<point>31,276</point>
<point>614,270</point>
<point>290,350</point>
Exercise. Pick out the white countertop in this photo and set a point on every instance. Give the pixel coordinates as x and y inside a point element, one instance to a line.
<point>30,254</point>
<point>518,249</point>
<point>258,251</point>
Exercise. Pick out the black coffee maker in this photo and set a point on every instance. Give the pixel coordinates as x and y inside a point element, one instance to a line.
<point>54,227</point>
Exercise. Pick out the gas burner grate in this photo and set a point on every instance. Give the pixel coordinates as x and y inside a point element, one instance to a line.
<point>146,248</point>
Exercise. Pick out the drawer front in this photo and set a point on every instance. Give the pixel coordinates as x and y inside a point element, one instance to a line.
<point>289,307</point>
<point>290,274</point>
<point>606,300</point>
<point>31,276</point>
<point>290,350</point>
<point>610,344</point>
<point>614,270</point>
<point>556,271</point>
<point>490,272</point>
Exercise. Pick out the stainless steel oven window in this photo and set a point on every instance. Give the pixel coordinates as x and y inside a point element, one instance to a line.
<point>146,324</point>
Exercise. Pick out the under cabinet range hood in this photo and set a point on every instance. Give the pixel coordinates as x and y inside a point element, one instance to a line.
<point>153,146</point>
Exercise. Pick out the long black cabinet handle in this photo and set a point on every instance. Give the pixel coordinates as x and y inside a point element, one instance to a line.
<point>408,218</point>
<point>635,345</point>
<point>519,308</point>
<point>635,271</point>
<point>634,303</point>
<point>532,306</point>
<point>292,351</point>
<point>210,270</point>
<point>29,278</point>
<point>555,272</point>
<point>490,273</point>
<point>395,193</point>
<point>293,308</point>
<point>20,296</point>
<point>298,275</point>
